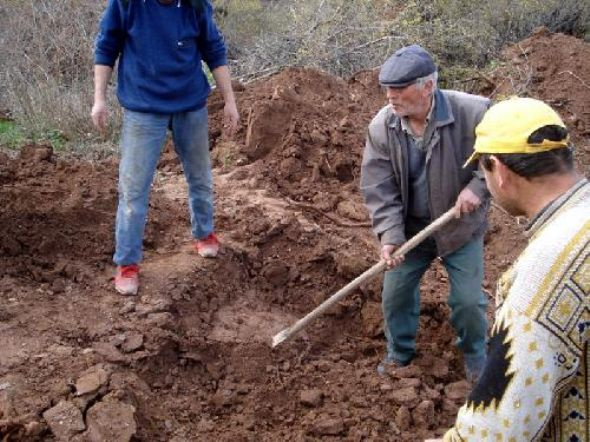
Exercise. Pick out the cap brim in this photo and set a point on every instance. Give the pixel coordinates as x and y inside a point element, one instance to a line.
<point>474,156</point>
<point>393,84</point>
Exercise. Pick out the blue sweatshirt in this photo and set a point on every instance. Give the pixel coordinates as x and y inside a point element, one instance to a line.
<point>160,48</point>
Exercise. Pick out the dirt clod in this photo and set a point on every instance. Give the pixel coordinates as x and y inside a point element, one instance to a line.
<point>403,418</point>
<point>327,426</point>
<point>458,391</point>
<point>65,420</point>
<point>91,381</point>
<point>311,398</point>
<point>111,420</point>
<point>405,396</point>
<point>423,414</point>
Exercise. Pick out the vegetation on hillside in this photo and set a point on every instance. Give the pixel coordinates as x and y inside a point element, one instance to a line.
<point>46,45</point>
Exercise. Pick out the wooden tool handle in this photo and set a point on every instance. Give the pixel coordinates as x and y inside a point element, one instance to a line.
<point>377,268</point>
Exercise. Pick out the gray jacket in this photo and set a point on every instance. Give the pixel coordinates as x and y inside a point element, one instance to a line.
<point>384,171</point>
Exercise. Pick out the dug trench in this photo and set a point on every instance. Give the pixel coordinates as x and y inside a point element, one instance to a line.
<point>190,357</point>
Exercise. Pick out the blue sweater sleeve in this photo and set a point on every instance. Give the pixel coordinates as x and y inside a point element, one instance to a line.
<point>210,40</point>
<point>111,35</point>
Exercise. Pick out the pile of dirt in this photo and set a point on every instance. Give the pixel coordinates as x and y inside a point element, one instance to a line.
<point>554,68</point>
<point>190,357</point>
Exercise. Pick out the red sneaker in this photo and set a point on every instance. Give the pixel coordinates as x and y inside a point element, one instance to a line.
<point>127,279</point>
<point>207,247</point>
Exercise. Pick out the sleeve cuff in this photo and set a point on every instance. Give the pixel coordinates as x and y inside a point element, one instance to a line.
<point>217,63</point>
<point>392,236</point>
<point>477,186</point>
<point>104,60</point>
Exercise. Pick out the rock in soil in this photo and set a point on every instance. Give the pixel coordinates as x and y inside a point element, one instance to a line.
<point>109,352</point>
<point>423,414</point>
<point>327,426</point>
<point>458,391</point>
<point>403,418</point>
<point>92,380</point>
<point>133,342</point>
<point>111,421</point>
<point>64,420</point>
<point>311,398</point>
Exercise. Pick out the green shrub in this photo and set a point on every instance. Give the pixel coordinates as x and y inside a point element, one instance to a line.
<point>10,134</point>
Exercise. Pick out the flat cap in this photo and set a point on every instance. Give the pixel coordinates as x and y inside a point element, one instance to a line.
<point>405,66</point>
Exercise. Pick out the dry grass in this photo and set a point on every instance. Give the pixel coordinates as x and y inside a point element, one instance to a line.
<point>46,66</point>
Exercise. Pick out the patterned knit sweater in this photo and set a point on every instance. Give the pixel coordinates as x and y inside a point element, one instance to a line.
<point>536,383</point>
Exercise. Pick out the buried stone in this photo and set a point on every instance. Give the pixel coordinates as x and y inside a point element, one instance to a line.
<point>64,420</point>
<point>311,398</point>
<point>111,421</point>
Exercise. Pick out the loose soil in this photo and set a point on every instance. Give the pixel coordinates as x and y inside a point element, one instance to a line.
<point>190,357</point>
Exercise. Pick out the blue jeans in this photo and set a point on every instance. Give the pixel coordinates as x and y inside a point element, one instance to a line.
<point>142,140</point>
<point>401,300</point>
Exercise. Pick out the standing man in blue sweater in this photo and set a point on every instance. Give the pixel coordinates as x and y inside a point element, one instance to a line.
<point>160,45</point>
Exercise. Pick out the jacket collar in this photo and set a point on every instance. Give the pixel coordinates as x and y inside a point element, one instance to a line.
<point>443,114</point>
<point>541,218</point>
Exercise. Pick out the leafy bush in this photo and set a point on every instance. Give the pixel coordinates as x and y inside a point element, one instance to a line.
<point>10,134</point>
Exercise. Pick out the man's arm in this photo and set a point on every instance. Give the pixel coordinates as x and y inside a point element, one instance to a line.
<point>102,76</point>
<point>381,193</point>
<point>467,202</point>
<point>230,112</point>
<point>477,185</point>
<point>107,48</point>
<point>476,192</point>
<point>473,195</point>
<point>214,53</point>
<point>210,41</point>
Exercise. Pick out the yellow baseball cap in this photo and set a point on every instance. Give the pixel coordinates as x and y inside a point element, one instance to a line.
<point>507,125</point>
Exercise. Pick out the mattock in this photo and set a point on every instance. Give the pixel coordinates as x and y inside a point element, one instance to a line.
<point>376,269</point>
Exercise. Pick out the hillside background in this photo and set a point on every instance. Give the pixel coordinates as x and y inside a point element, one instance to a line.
<point>46,49</point>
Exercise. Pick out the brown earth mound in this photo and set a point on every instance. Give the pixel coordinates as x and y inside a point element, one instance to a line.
<point>554,68</point>
<point>189,359</point>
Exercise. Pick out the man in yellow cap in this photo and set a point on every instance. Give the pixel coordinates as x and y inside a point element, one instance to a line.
<point>535,384</point>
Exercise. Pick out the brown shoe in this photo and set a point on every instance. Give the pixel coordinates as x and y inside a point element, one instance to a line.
<point>390,364</point>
